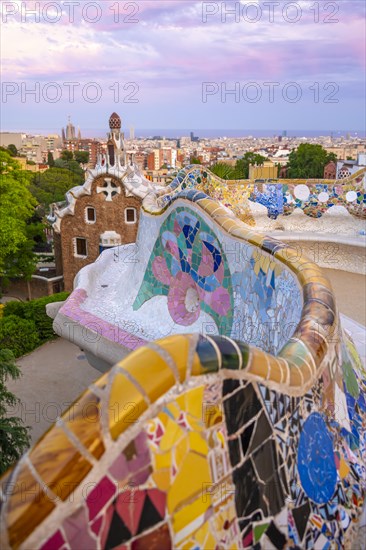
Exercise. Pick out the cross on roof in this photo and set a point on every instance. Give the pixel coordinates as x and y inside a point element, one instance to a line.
<point>109,189</point>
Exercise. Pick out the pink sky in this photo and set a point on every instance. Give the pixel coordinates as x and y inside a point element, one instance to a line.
<point>169,49</point>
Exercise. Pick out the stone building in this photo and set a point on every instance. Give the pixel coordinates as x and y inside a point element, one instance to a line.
<point>103,212</point>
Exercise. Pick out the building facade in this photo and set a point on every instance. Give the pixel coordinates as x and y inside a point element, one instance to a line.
<point>330,171</point>
<point>345,168</point>
<point>103,213</point>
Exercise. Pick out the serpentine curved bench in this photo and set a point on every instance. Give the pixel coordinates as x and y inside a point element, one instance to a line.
<point>200,441</point>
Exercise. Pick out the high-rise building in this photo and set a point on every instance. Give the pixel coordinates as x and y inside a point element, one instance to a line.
<point>132,133</point>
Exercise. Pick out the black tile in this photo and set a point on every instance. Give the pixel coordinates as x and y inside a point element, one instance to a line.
<point>246,437</point>
<point>149,516</point>
<point>234,451</point>
<point>301,515</point>
<point>240,408</point>
<point>263,431</point>
<point>229,354</point>
<point>248,493</point>
<point>277,538</point>
<point>229,386</point>
<point>118,532</point>
<point>207,355</point>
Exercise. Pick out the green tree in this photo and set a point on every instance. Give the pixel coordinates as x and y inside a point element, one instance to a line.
<point>52,185</point>
<point>14,438</point>
<point>18,335</point>
<point>73,166</point>
<point>82,157</point>
<point>242,165</point>
<point>50,159</point>
<point>66,155</point>
<point>308,161</point>
<point>12,150</point>
<point>223,171</point>
<point>194,160</point>
<point>16,209</point>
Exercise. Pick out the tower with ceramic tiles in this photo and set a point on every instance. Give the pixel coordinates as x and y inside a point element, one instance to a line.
<point>103,212</point>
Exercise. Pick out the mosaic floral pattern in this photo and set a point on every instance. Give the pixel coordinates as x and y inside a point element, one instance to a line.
<point>189,266</point>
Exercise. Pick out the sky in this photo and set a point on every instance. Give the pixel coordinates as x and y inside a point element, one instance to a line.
<point>173,63</point>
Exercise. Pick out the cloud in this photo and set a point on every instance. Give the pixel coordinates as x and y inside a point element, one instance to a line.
<point>171,50</point>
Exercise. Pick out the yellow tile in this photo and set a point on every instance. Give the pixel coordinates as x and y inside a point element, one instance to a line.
<point>194,401</point>
<point>181,451</point>
<point>197,368</point>
<point>59,463</point>
<point>28,506</point>
<point>153,374</point>
<point>195,424</point>
<point>174,409</point>
<point>173,434</point>
<point>228,224</point>
<point>178,348</point>
<point>212,415</point>
<point>258,363</point>
<point>162,460</point>
<point>182,518</point>
<point>193,476</point>
<point>257,267</point>
<point>208,205</point>
<point>201,534</point>
<point>343,468</point>
<point>198,443</point>
<point>83,419</point>
<point>162,479</point>
<point>126,405</point>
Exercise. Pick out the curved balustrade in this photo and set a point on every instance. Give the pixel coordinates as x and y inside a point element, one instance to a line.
<point>313,197</point>
<point>202,441</point>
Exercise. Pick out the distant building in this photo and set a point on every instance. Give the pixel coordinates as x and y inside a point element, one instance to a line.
<point>330,171</point>
<point>141,160</point>
<point>267,170</point>
<point>155,159</point>
<point>53,142</point>
<point>102,213</point>
<point>93,147</point>
<point>346,168</point>
<point>11,138</point>
<point>132,133</point>
<point>38,167</point>
<point>70,131</point>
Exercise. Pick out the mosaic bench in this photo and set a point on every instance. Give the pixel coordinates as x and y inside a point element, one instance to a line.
<point>248,435</point>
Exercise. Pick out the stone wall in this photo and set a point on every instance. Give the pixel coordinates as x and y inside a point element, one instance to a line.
<point>110,216</point>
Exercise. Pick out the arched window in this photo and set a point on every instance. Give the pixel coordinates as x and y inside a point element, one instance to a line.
<point>130,215</point>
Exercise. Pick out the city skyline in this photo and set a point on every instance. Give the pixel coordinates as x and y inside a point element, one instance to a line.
<point>180,64</point>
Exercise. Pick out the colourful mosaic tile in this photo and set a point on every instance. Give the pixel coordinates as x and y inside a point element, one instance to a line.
<point>207,441</point>
<point>192,268</point>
